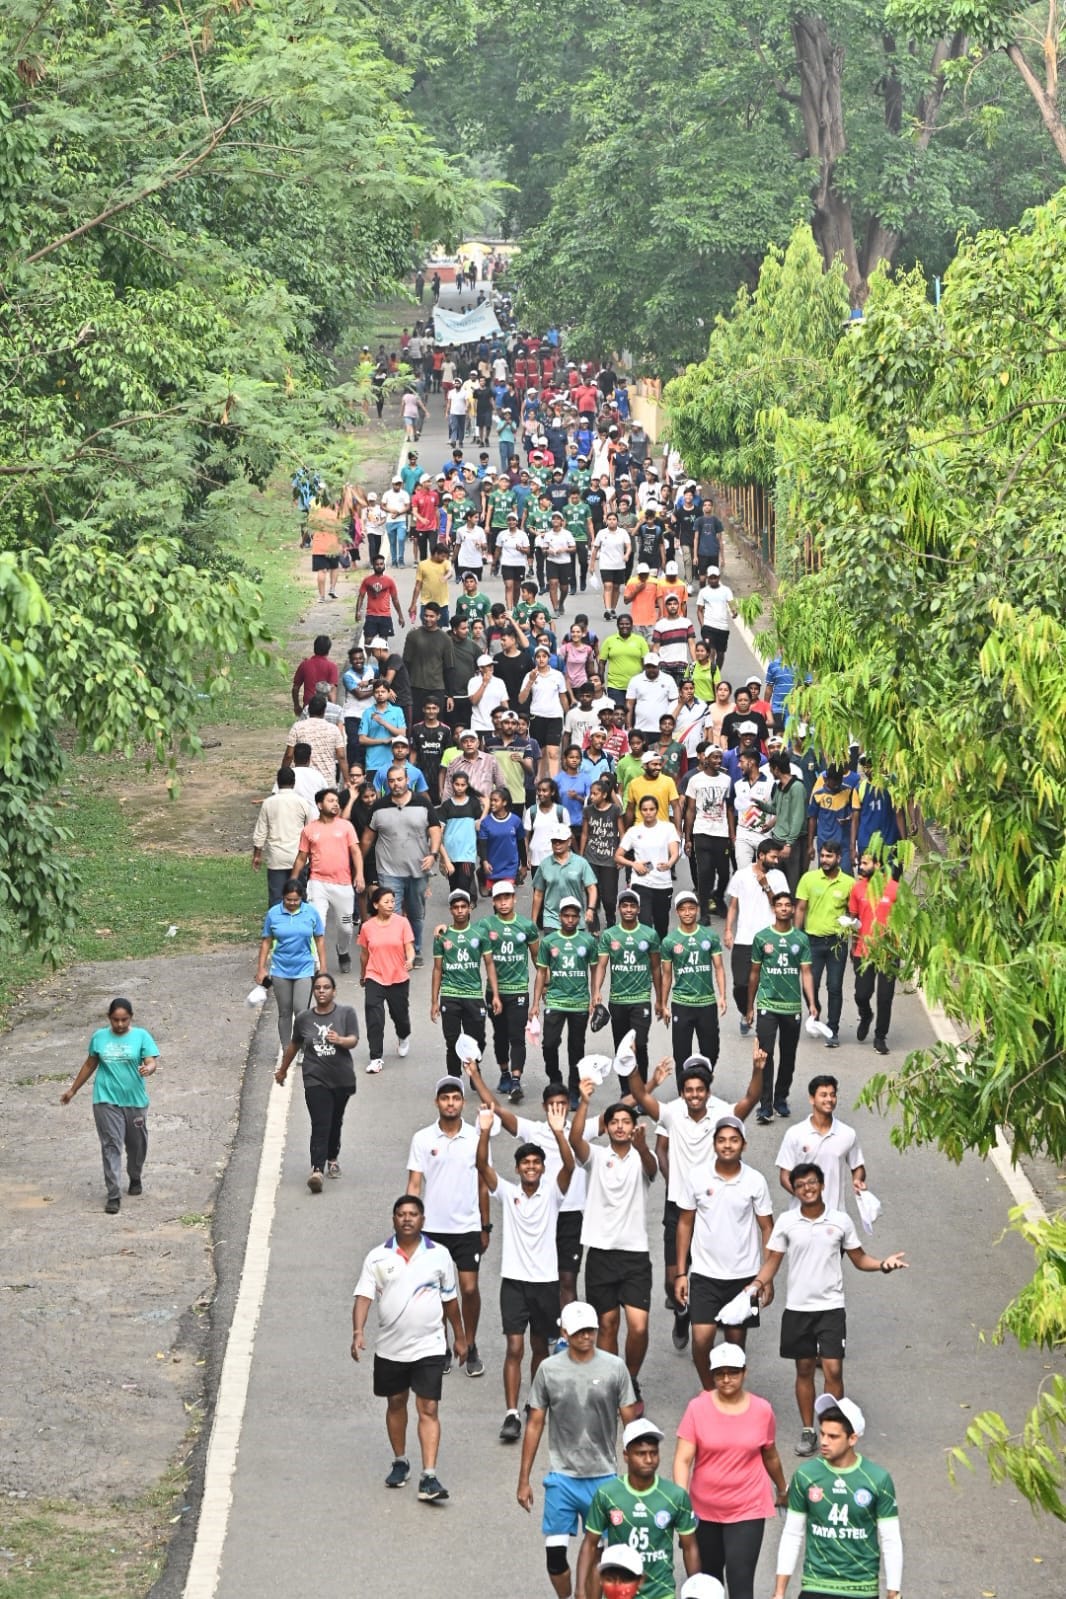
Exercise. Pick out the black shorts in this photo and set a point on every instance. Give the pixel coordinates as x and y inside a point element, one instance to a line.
<point>616,1277</point>
<point>559,570</point>
<point>546,730</point>
<point>464,1248</point>
<point>423,1377</point>
<point>325,563</point>
<point>612,574</point>
<point>708,1295</point>
<point>671,1216</point>
<point>532,1305</point>
<point>512,574</point>
<point>377,626</point>
<point>568,1241</point>
<point>807,1333</point>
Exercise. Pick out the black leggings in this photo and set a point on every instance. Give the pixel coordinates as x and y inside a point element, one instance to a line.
<point>509,1031</point>
<point>397,996</point>
<point>730,1549</point>
<point>607,884</point>
<point>655,908</point>
<point>326,1107</point>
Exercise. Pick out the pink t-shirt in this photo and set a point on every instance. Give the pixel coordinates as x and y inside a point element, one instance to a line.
<point>387,942</point>
<point>328,847</point>
<point>729,1479</point>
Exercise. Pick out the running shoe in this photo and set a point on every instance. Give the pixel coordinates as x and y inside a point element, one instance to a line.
<point>782,1107</point>
<point>419,961</point>
<point>475,1366</point>
<point>446,1368</point>
<point>808,1442</point>
<point>880,1045</point>
<point>376,1065</point>
<point>113,1207</point>
<point>401,1470</point>
<point>135,1186</point>
<point>403,1047</point>
<point>344,963</point>
<point>333,1168</point>
<point>832,1043</point>
<point>430,1488</point>
<point>764,1117</point>
<point>511,1430</point>
<point>504,1084</point>
<point>862,1032</point>
<point>314,1182</point>
<point>515,1094</point>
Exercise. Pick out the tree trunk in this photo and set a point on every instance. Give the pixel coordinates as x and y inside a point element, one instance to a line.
<point>1047,103</point>
<point>821,66</point>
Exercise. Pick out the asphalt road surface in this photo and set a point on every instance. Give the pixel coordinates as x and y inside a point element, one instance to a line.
<point>309,1513</point>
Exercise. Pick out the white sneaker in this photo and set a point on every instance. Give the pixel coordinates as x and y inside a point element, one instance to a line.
<point>403,1046</point>
<point>374,1065</point>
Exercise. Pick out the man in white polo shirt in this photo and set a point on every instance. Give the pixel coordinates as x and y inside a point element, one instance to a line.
<point>442,1168</point>
<point>813,1325</point>
<point>726,1216</point>
<point>529,1270</point>
<point>412,1280</point>
<point>686,1131</point>
<point>615,1228</point>
<point>831,1143</point>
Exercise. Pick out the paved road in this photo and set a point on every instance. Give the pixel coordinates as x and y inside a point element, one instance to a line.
<point>309,1510</point>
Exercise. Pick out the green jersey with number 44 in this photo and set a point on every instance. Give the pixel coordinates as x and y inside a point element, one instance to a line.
<point>648,1522</point>
<point>842,1508</point>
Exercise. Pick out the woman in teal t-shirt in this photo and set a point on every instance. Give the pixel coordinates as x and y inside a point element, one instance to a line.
<point>120,1057</point>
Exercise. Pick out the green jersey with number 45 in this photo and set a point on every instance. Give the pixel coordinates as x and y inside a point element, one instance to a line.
<point>648,1522</point>
<point>843,1508</point>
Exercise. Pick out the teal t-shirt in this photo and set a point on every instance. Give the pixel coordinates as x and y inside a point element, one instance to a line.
<point>460,954</point>
<point>117,1079</point>
<point>629,956</point>
<point>779,957</point>
<point>510,944</point>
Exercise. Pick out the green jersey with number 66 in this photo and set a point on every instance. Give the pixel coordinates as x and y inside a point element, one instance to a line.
<point>648,1522</point>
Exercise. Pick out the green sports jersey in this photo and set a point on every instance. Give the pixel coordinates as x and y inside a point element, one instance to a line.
<point>500,502</point>
<point>691,958</point>
<point>582,477</point>
<point>780,955</point>
<point>842,1509</point>
<point>474,607</point>
<point>461,954</point>
<point>629,954</point>
<point>568,961</point>
<point>509,945</point>
<point>648,1523</point>
<point>576,518</point>
<point>537,519</point>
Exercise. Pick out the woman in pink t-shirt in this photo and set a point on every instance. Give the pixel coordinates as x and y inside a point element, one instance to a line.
<point>386,953</point>
<point>727,1461</point>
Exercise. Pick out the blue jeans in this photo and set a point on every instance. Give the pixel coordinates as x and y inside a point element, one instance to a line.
<point>506,451</point>
<point>410,900</point>
<point>397,532</point>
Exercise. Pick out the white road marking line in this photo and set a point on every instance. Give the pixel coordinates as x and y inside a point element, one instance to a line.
<point>217,1500</point>
<point>1018,1185</point>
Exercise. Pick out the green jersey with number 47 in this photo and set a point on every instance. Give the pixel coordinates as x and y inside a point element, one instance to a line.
<point>690,957</point>
<point>843,1508</point>
<point>648,1522</point>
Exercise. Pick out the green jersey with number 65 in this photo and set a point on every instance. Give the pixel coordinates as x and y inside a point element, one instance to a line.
<point>843,1508</point>
<point>648,1522</point>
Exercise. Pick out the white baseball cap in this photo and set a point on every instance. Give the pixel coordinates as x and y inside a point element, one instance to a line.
<point>686,897</point>
<point>501,888</point>
<point>569,903</point>
<point>577,1316</point>
<point>378,643</point>
<point>714,571</point>
<point>620,1557</point>
<point>671,568</point>
<point>643,567</point>
<point>484,660</point>
<point>651,659</point>
<point>701,1586</point>
<point>729,1355</point>
<point>847,1407</point>
<point>742,727</point>
<point>640,1429</point>
<point>560,831</point>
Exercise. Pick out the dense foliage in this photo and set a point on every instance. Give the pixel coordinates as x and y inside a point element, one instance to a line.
<point>193,206</point>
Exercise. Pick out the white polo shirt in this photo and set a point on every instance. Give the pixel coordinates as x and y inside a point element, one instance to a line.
<point>616,1210</point>
<point>752,903</point>
<point>529,1254</point>
<point>529,1132</point>
<point>815,1251</point>
<point>726,1242</point>
<point>691,1142</point>
<point>409,1295</point>
<point>837,1152</point>
<point>449,1169</point>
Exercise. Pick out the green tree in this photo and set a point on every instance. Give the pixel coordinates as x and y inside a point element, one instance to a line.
<point>935,630</point>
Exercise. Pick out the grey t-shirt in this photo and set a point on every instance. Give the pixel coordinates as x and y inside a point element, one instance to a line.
<point>325,1063</point>
<point>402,835</point>
<point>582,1400</point>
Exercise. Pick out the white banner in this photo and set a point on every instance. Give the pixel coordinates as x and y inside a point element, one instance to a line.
<point>453,327</point>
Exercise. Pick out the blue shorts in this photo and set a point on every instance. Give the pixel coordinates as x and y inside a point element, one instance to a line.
<point>566,1503</point>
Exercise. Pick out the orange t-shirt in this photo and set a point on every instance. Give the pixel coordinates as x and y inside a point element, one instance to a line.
<point>640,602</point>
<point>669,585</point>
<point>325,531</point>
<point>328,848</point>
<point>387,943</point>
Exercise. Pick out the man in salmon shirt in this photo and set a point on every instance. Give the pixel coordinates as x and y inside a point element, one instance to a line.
<point>331,848</point>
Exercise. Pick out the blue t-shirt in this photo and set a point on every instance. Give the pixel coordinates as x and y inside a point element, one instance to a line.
<point>377,756</point>
<point>118,1080</point>
<point>877,814</point>
<point>415,781</point>
<point>500,835</point>
<point>292,932</point>
<point>460,828</point>
<point>574,791</point>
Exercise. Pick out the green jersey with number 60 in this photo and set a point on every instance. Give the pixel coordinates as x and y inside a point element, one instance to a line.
<point>842,1508</point>
<point>691,958</point>
<point>568,961</point>
<point>629,954</point>
<point>648,1522</point>
<point>510,944</point>
<point>780,956</point>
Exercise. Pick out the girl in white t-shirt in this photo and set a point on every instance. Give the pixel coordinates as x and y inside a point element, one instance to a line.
<point>545,692</point>
<point>652,848</point>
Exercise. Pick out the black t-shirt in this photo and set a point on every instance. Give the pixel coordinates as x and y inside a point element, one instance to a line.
<point>464,666</point>
<point>731,722</point>
<point>558,494</point>
<point>597,504</point>
<point>327,1064</point>
<point>427,746</point>
<point>708,528</point>
<point>685,518</point>
<point>647,536</point>
<point>602,835</point>
<point>512,671</point>
<point>401,682</point>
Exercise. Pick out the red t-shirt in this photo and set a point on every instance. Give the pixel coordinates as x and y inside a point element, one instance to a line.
<point>426,504</point>
<point>379,592</point>
<point>729,1479</point>
<point>587,398</point>
<point>311,674</point>
<point>387,943</point>
<point>327,846</point>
